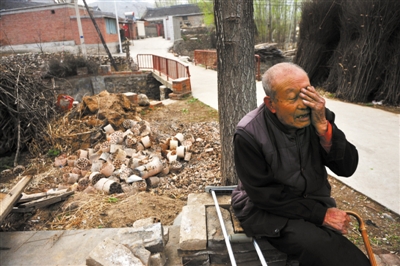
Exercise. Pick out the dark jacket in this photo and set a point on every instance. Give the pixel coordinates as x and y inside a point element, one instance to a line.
<point>284,174</point>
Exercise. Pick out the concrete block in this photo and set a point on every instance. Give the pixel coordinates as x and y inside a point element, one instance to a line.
<point>166,234</point>
<point>157,259</point>
<point>163,88</point>
<point>141,253</point>
<point>170,249</point>
<point>156,103</point>
<point>206,199</point>
<point>215,236</point>
<point>151,237</point>
<point>145,222</point>
<point>193,231</point>
<point>111,253</point>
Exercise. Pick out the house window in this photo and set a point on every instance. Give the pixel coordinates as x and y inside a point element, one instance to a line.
<point>184,18</point>
<point>111,26</point>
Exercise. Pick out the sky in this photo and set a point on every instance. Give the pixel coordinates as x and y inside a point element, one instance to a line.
<point>137,6</point>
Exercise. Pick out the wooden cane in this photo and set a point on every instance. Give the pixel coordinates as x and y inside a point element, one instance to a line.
<point>364,235</point>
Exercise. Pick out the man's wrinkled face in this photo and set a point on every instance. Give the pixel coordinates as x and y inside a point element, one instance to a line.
<point>287,103</point>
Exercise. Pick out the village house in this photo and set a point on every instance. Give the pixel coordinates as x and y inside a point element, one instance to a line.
<point>172,19</point>
<point>44,27</point>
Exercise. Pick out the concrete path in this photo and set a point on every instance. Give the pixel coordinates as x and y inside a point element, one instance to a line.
<point>375,133</point>
<point>69,247</point>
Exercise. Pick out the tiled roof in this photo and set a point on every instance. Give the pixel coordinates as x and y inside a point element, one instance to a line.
<point>14,4</point>
<point>11,4</point>
<point>179,10</point>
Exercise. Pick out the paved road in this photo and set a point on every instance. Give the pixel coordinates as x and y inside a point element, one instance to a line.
<point>374,132</point>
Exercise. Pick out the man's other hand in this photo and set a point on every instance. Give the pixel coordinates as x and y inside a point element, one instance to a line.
<point>337,220</point>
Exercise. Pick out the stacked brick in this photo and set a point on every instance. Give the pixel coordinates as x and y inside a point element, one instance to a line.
<point>180,88</point>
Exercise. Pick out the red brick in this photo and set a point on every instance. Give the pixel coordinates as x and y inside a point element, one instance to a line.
<point>40,25</point>
<point>208,58</point>
<point>181,85</point>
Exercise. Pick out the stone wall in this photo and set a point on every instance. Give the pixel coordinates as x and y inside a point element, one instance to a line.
<point>200,38</point>
<point>137,82</point>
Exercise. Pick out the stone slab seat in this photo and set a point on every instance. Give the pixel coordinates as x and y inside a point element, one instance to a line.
<point>238,229</point>
<point>202,241</point>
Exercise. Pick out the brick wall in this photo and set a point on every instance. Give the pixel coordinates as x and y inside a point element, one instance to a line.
<point>53,23</point>
<point>207,58</point>
<point>139,83</point>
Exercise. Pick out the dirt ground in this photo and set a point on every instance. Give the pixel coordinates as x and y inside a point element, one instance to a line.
<point>164,203</point>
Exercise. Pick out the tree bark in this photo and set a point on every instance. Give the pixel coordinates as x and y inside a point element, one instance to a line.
<point>269,21</point>
<point>294,40</point>
<point>236,74</point>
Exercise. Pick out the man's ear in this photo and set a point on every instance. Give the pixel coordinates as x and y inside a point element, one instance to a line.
<point>270,104</point>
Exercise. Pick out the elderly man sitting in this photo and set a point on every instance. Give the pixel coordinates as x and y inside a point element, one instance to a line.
<point>281,150</point>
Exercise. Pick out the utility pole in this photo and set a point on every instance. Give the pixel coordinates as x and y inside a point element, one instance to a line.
<point>101,37</point>
<point>78,19</point>
<point>119,30</point>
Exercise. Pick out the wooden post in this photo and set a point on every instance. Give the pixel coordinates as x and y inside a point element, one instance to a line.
<point>101,37</point>
<point>12,197</point>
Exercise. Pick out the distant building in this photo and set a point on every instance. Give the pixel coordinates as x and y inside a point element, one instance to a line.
<point>171,19</point>
<point>188,15</point>
<point>29,26</point>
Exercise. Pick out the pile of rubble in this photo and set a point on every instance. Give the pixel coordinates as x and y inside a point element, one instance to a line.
<point>268,51</point>
<point>142,244</point>
<point>135,155</point>
<point>129,161</point>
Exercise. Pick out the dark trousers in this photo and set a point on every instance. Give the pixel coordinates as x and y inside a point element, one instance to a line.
<point>313,245</point>
<point>305,242</point>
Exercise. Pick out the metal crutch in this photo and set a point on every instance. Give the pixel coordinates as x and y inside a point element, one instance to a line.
<point>226,189</point>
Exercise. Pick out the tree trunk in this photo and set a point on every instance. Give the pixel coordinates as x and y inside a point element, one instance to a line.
<point>269,21</point>
<point>236,74</point>
<point>295,23</point>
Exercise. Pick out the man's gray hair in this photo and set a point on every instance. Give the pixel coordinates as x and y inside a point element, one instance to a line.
<point>269,77</point>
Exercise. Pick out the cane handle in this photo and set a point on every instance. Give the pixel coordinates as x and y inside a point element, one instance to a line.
<point>364,235</point>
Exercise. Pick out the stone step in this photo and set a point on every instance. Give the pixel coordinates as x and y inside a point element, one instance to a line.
<point>202,241</point>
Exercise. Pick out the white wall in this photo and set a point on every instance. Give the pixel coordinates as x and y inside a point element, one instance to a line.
<point>172,29</point>
<point>177,29</point>
<point>141,31</point>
